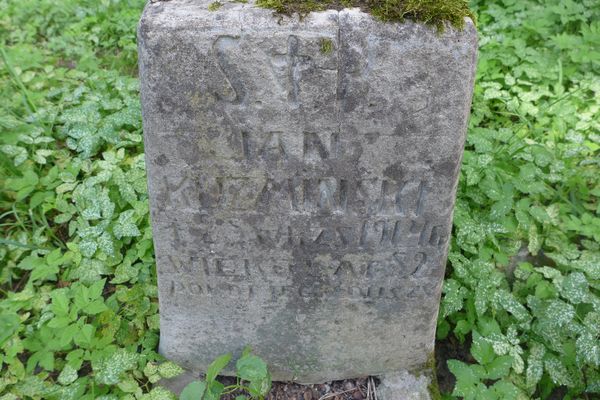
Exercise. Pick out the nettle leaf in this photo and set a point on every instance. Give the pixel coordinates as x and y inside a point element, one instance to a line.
<point>93,201</point>
<point>535,365</point>
<point>90,270</point>
<point>68,375</point>
<point>575,288</point>
<point>507,301</point>
<point>169,370</point>
<point>518,365</point>
<point>560,313</point>
<point>151,372</point>
<point>535,241</point>
<point>106,244</point>
<point>558,372</point>
<point>589,263</point>
<point>88,247</point>
<point>499,343</point>
<point>588,347</point>
<point>126,189</point>
<point>125,225</point>
<point>161,393</point>
<point>18,153</point>
<point>33,387</point>
<point>499,367</point>
<point>108,371</point>
<point>453,298</point>
<point>482,299</point>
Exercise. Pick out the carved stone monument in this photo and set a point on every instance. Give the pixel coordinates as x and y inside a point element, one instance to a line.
<point>302,176</point>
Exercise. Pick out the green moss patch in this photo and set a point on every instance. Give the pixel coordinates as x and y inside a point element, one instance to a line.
<point>432,12</point>
<point>214,6</point>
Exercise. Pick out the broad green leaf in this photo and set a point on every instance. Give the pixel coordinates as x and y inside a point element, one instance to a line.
<point>468,379</point>
<point>499,367</point>
<point>217,366</point>
<point>193,391</point>
<point>214,390</point>
<point>481,349</point>
<point>251,368</point>
<point>10,323</point>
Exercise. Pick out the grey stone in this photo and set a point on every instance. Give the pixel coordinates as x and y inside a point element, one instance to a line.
<point>301,199</point>
<point>403,385</point>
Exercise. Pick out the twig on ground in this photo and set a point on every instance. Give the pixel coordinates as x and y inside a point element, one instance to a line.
<point>326,396</point>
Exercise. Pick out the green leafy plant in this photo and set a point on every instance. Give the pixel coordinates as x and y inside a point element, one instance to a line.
<point>253,378</point>
<point>523,286</point>
<point>78,302</point>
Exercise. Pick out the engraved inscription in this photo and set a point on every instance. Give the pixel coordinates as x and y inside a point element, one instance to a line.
<point>405,262</point>
<point>360,292</point>
<point>293,63</point>
<point>322,195</point>
<point>277,146</point>
<point>224,48</point>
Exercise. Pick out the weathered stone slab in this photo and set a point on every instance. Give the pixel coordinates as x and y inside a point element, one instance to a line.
<point>301,199</point>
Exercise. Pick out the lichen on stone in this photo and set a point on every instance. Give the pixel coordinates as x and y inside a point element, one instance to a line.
<point>438,13</point>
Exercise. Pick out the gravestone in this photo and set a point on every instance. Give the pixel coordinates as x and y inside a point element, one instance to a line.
<point>302,177</point>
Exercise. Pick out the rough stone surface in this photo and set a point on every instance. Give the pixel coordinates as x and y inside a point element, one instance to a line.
<point>404,386</point>
<point>302,176</point>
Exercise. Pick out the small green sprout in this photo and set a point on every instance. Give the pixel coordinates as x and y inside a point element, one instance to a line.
<point>326,46</point>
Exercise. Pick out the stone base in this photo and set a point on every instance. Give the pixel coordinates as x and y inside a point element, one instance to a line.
<point>400,385</point>
<point>403,385</point>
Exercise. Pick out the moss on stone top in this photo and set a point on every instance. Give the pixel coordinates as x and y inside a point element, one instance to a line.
<point>431,12</point>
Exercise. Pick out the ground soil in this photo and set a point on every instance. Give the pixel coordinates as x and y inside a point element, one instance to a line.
<point>349,389</point>
<point>365,388</point>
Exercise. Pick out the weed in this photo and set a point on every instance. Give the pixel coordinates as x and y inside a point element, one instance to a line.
<point>253,378</point>
<point>326,46</point>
